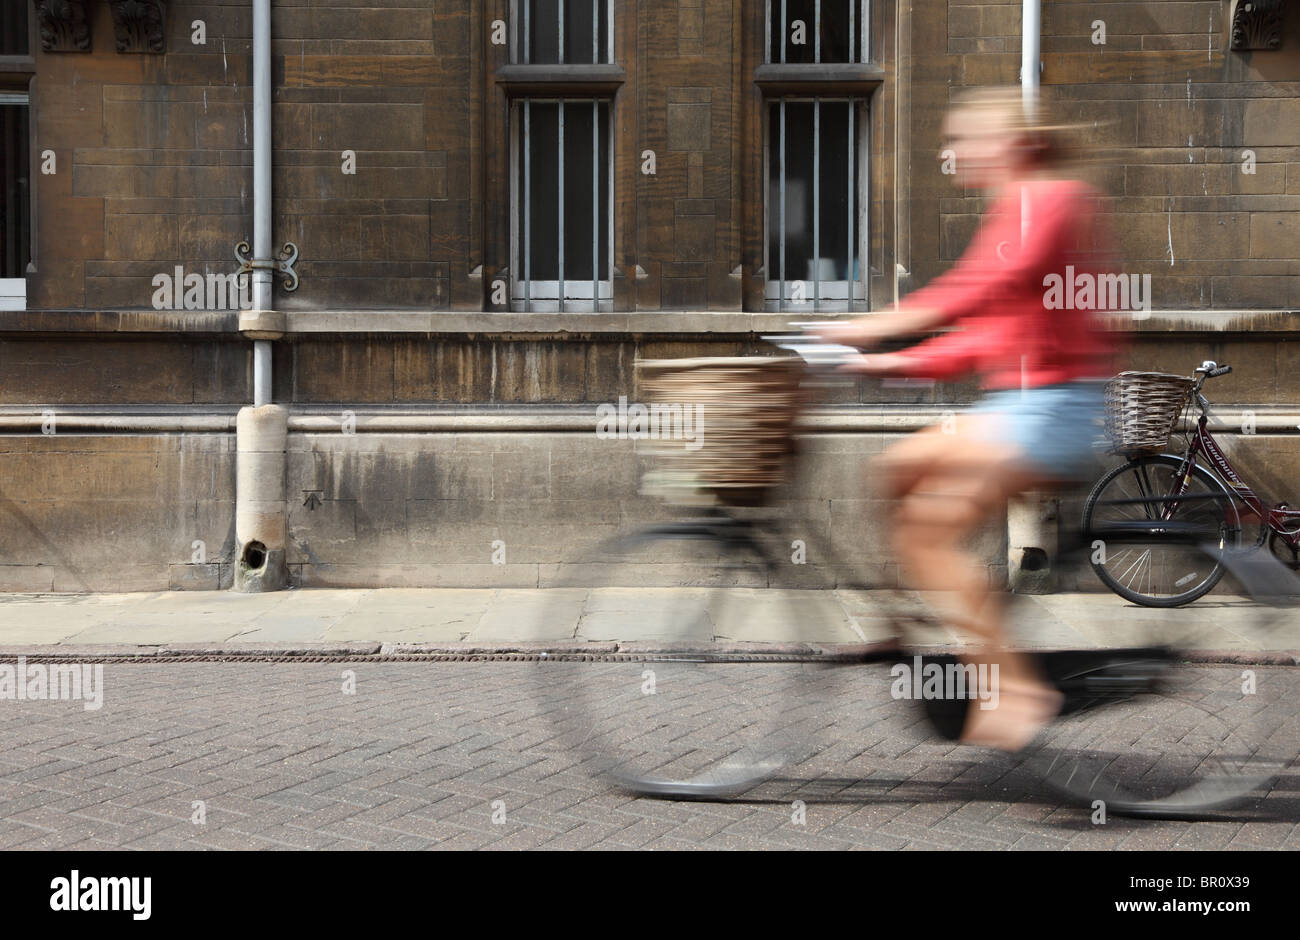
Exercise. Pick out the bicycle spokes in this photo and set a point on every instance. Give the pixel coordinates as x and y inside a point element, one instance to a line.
<point>1145,516</point>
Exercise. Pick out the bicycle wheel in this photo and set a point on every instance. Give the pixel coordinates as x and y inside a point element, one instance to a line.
<point>694,700</point>
<point>1157,727</point>
<point>1160,574</point>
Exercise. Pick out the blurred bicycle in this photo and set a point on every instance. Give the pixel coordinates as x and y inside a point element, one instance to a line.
<point>676,712</point>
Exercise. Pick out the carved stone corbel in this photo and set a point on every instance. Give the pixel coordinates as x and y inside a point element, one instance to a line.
<point>1256,24</point>
<point>64,25</point>
<point>138,25</point>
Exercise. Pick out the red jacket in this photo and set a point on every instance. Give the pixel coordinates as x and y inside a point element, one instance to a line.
<point>1012,330</point>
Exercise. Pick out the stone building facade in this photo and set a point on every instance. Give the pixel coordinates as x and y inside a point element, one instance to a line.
<point>487,234</point>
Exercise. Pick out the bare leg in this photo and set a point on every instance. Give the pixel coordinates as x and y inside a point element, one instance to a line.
<point>947,487</point>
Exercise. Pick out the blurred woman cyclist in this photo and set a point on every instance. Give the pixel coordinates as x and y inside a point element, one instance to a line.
<point>1041,363</point>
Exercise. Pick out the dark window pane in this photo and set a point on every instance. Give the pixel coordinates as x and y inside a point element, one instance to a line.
<point>15,178</point>
<point>582,37</point>
<point>800,31</point>
<point>835,32</point>
<point>585,28</point>
<point>834,181</point>
<point>586,191</point>
<point>792,221</point>
<point>579,175</point>
<point>13,27</point>
<point>543,145</point>
<point>795,35</point>
<point>775,160</point>
<point>606,205</point>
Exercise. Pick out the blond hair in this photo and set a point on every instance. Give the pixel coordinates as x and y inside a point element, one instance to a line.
<point>1048,142</point>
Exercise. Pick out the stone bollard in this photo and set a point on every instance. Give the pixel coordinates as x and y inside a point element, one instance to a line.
<point>262,434</point>
<point>1032,543</point>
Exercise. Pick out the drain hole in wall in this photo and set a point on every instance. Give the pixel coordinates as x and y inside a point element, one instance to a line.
<point>254,556</point>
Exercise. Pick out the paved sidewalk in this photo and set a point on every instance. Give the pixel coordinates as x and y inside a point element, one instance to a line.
<point>367,753</point>
<point>460,756</point>
<point>396,619</point>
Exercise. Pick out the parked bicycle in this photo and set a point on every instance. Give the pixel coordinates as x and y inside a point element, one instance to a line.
<point>1198,487</point>
<point>733,638</point>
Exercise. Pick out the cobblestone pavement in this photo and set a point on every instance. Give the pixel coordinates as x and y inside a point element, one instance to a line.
<point>464,755</point>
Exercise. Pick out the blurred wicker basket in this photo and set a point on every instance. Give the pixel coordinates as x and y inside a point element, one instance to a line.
<point>740,413</point>
<point>1141,409</point>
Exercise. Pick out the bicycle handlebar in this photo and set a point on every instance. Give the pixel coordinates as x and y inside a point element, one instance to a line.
<point>1209,370</point>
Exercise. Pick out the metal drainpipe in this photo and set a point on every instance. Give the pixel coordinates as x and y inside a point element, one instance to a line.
<point>262,283</point>
<point>261,431</point>
<point>1030,45</point>
<point>1031,517</point>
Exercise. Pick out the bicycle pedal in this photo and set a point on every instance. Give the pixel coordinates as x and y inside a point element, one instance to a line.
<point>1089,678</point>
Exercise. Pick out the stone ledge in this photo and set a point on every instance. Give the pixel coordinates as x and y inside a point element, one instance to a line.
<point>548,324</point>
<point>121,321</point>
<point>1209,321</point>
<point>547,419</point>
<point>536,325</point>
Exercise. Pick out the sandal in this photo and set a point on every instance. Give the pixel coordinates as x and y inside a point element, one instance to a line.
<point>1023,709</point>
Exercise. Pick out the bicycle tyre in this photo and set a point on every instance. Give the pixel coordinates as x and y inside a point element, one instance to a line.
<point>1098,502</point>
<point>684,707</point>
<point>1149,731</point>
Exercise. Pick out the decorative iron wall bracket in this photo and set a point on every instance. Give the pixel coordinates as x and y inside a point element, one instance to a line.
<point>1256,24</point>
<point>282,264</point>
<point>64,25</point>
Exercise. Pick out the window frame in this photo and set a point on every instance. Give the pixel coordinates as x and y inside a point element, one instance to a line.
<point>859,10</point>
<point>856,294</point>
<point>858,81</point>
<point>522,82</point>
<point>524,291</point>
<point>519,36</point>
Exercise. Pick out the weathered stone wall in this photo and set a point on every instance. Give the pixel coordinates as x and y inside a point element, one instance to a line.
<point>1170,111</point>
<point>155,170</point>
<point>116,511</point>
<point>155,159</point>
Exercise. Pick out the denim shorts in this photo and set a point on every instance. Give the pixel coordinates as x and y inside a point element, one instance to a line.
<point>1055,427</point>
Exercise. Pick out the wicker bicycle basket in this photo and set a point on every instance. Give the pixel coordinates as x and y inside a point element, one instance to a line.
<point>1141,409</point>
<point>736,417</point>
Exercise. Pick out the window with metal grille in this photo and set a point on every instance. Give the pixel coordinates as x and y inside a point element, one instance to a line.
<point>816,215</point>
<point>16,69</point>
<point>817,31</point>
<point>563,223</point>
<point>15,199</point>
<point>562,32</point>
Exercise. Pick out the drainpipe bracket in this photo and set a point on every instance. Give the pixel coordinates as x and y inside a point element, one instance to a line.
<point>281,264</point>
<point>263,324</point>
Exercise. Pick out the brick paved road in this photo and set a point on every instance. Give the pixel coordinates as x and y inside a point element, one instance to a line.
<point>282,758</point>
